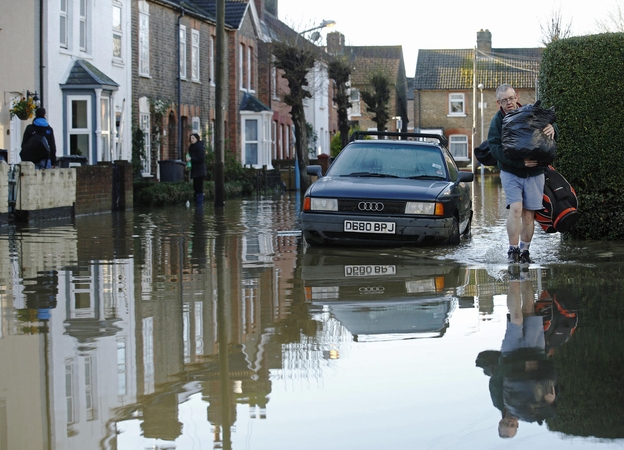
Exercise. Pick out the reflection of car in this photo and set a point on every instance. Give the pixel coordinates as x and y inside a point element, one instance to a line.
<point>380,297</point>
<point>389,192</point>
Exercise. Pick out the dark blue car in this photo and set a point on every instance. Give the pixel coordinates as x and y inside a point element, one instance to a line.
<point>389,192</point>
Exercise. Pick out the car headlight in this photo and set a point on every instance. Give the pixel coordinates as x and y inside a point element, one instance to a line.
<point>424,208</point>
<point>320,204</point>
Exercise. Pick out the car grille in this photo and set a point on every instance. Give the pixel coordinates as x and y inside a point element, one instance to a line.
<point>389,206</point>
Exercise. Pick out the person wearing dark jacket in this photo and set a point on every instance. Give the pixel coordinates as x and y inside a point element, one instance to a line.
<point>41,126</point>
<point>197,157</point>
<point>522,180</point>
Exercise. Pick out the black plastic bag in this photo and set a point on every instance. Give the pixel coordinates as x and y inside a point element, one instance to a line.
<point>523,138</point>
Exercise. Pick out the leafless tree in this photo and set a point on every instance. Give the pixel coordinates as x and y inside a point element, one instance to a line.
<point>614,22</point>
<point>339,70</point>
<point>555,27</point>
<point>377,99</point>
<point>296,60</point>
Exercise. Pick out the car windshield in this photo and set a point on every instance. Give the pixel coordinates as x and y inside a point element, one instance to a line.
<point>394,161</point>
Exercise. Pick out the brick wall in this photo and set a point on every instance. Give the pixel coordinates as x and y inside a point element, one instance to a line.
<point>94,192</point>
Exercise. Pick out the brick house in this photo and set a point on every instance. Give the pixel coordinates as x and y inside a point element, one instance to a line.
<point>447,97</point>
<point>160,30</point>
<point>320,110</point>
<point>366,61</point>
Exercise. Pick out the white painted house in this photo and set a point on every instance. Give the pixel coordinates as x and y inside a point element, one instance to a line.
<point>317,109</point>
<point>76,56</point>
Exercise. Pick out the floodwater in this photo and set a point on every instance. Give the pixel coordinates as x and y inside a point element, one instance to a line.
<point>172,328</point>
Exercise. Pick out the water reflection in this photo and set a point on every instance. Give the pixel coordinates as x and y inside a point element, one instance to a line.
<point>176,329</point>
<point>381,296</point>
<point>522,379</point>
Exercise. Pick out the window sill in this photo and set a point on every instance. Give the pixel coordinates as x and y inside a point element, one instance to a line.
<point>145,76</point>
<point>118,63</point>
<point>456,115</point>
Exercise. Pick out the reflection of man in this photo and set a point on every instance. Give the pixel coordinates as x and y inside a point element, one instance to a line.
<point>522,380</point>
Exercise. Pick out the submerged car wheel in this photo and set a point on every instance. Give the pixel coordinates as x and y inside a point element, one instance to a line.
<point>453,238</point>
<point>468,230</point>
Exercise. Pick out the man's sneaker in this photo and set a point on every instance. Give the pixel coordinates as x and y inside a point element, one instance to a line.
<point>525,258</point>
<point>513,255</point>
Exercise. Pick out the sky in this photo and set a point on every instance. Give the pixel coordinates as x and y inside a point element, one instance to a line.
<point>442,24</point>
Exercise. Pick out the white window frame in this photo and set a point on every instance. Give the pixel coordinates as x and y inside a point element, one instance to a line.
<point>83,25</point>
<point>354,98</point>
<point>64,23</point>
<point>455,141</point>
<point>182,52</point>
<point>249,71</point>
<point>262,141</point>
<point>195,55</point>
<point>457,104</point>
<point>274,139</point>
<point>247,141</point>
<point>118,31</point>
<point>274,80</point>
<point>145,124</point>
<point>88,131</point>
<point>241,66</point>
<point>144,59</point>
<point>196,125</point>
<point>104,149</point>
<point>211,57</point>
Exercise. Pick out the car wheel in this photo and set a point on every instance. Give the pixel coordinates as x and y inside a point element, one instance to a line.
<point>453,238</point>
<point>468,228</point>
<point>309,240</point>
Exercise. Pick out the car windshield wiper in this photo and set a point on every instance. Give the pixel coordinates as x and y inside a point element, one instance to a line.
<point>370,174</point>
<point>426,177</point>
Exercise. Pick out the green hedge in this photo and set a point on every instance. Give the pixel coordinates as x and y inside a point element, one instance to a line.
<point>583,78</point>
<point>163,193</point>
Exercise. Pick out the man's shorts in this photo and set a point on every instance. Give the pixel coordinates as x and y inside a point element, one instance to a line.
<point>528,335</point>
<point>529,191</point>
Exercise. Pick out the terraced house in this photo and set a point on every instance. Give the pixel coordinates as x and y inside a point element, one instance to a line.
<point>455,89</point>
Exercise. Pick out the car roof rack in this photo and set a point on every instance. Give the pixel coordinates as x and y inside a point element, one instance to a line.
<point>404,136</point>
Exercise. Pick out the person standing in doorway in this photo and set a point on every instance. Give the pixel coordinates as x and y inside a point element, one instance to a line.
<point>197,157</point>
<point>41,126</point>
<point>522,180</point>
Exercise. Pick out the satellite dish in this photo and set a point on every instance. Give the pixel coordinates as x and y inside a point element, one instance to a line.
<point>315,36</point>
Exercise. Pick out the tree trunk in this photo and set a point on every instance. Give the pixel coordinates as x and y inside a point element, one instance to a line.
<point>301,146</point>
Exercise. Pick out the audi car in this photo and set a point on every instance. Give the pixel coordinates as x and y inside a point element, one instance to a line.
<point>389,191</point>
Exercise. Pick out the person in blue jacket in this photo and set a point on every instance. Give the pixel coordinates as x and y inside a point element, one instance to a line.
<point>522,180</point>
<point>41,126</point>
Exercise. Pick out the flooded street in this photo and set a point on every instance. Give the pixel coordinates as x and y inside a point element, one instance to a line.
<point>169,328</point>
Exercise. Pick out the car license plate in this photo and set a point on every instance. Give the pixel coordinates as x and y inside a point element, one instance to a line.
<point>360,226</point>
<point>368,270</point>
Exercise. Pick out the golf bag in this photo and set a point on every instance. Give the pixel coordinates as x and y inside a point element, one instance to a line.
<point>559,212</point>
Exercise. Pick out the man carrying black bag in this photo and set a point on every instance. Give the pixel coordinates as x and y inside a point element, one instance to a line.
<point>522,180</point>
<point>38,145</point>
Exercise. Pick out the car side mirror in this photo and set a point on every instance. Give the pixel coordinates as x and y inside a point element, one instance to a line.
<point>315,170</point>
<point>465,177</point>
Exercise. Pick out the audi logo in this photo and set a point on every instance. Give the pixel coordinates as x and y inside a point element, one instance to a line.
<point>370,206</point>
<point>372,290</point>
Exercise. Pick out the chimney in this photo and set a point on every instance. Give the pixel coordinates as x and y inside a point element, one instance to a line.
<point>484,41</point>
<point>260,8</point>
<point>335,43</point>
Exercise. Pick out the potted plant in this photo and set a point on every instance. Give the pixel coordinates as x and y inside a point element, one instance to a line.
<point>24,109</point>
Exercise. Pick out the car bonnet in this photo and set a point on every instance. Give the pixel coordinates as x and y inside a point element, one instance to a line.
<point>378,188</point>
